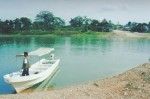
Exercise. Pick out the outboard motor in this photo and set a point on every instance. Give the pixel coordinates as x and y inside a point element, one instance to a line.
<point>52,56</point>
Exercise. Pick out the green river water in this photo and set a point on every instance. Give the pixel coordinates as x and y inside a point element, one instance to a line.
<point>83,57</point>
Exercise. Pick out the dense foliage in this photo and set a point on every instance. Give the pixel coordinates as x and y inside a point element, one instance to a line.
<point>45,21</point>
<point>137,27</point>
<point>86,24</point>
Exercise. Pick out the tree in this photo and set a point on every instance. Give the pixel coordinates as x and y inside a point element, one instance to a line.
<point>1,26</point>
<point>142,27</point>
<point>17,24</point>
<point>86,24</point>
<point>95,25</point>
<point>138,27</point>
<point>149,27</point>
<point>77,21</point>
<point>6,26</point>
<point>47,19</point>
<point>133,27</point>
<point>105,26</point>
<point>58,22</point>
<point>38,25</point>
<point>25,24</point>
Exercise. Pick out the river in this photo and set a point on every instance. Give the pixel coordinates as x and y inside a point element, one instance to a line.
<point>83,57</point>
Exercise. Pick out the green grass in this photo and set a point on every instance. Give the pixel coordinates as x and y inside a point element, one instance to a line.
<point>56,32</point>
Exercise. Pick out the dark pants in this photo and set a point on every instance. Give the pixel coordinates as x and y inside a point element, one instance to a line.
<point>25,72</point>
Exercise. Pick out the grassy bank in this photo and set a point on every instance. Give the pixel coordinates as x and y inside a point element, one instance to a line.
<point>58,32</point>
<point>113,34</point>
<point>48,33</point>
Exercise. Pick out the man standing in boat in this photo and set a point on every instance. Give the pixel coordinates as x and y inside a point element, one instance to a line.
<point>26,65</point>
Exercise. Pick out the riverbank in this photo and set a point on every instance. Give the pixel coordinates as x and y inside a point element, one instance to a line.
<point>119,33</point>
<point>115,33</point>
<point>57,33</point>
<point>132,84</point>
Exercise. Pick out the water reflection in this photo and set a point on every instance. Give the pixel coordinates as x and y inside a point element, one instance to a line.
<point>22,41</point>
<point>91,43</point>
<point>6,41</point>
<point>49,41</point>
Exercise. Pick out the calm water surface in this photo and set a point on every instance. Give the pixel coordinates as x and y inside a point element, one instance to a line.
<point>83,58</point>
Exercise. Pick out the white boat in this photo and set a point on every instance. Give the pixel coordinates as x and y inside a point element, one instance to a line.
<point>38,71</point>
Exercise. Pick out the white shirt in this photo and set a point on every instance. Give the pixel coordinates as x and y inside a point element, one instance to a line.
<point>25,60</point>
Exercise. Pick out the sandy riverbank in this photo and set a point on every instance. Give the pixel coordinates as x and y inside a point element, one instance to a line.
<point>119,33</point>
<point>132,84</point>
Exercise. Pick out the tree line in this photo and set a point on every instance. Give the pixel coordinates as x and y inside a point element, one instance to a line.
<point>44,21</point>
<point>137,27</point>
<point>47,21</point>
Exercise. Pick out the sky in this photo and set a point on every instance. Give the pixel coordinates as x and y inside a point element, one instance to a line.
<point>120,11</point>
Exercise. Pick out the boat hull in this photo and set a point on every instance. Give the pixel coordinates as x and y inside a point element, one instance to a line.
<point>20,86</point>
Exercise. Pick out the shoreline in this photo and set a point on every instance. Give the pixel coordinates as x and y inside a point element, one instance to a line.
<point>114,33</point>
<point>119,33</point>
<point>45,35</point>
<point>134,84</point>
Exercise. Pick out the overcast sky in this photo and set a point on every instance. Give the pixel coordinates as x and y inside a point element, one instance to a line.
<point>116,10</point>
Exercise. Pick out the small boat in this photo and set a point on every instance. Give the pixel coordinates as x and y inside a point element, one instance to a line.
<point>38,71</point>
